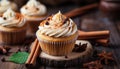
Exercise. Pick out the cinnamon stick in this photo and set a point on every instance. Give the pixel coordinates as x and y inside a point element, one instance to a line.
<point>93,35</point>
<point>99,36</point>
<point>34,53</point>
<point>81,10</point>
<point>103,42</point>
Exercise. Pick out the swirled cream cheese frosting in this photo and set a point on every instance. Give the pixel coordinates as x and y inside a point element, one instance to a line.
<point>11,19</point>
<point>58,26</point>
<point>33,8</point>
<point>5,4</point>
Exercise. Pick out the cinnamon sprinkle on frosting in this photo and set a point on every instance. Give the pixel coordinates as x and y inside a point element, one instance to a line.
<point>58,25</point>
<point>12,19</point>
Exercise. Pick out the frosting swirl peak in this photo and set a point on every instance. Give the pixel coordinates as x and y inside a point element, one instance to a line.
<point>58,26</point>
<point>11,19</point>
<point>33,3</point>
<point>5,4</point>
<point>33,8</point>
<point>9,14</point>
<point>58,18</point>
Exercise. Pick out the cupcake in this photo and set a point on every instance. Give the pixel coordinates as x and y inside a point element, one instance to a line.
<point>57,35</point>
<point>5,4</point>
<point>12,27</point>
<point>34,12</point>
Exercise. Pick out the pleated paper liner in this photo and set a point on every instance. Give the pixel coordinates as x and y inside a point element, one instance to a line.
<point>57,46</point>
<point>70,60</point>
<point>12,35</point>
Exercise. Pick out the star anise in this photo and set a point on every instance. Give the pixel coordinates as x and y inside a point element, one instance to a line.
<point>93,65</point>
<point>80,47</point>
<point>104,56</point>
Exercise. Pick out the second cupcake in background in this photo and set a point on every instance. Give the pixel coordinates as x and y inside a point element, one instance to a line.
<point>57,35</point>
<point>34,12</point>
<point>5,4</point>
<point>12,27</point>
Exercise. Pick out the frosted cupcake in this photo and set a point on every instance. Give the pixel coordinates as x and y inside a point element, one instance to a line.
<point>57,35</point>
<point>12,27</point>
<point>34,13</point>
<point>5,4</point>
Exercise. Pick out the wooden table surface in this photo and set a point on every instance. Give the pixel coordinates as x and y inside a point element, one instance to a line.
<point>91,21</point>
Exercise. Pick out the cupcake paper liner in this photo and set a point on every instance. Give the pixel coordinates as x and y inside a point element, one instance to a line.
<point>58,48</point>
<point>12,37</point>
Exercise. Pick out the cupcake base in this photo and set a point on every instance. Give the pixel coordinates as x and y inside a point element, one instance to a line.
<point>12,35</point>
<point>57,46</point>
<point>72,59</point>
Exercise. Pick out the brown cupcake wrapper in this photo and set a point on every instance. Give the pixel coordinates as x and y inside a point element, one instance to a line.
<point>12,37</point>
<point>57,48</point>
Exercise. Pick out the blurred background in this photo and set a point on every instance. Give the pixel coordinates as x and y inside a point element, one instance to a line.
<point>57,2</point>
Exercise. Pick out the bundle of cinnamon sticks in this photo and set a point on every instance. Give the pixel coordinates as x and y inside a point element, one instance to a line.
<point>35,51</point>
<point>101,37</point>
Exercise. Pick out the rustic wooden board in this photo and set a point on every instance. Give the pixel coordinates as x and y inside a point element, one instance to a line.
<point>70,60</point>
<point>88,22</point>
